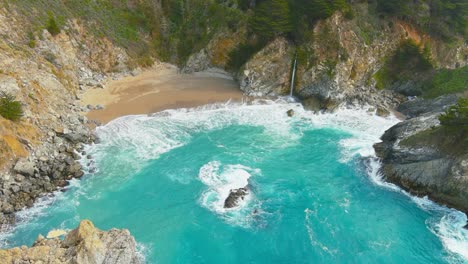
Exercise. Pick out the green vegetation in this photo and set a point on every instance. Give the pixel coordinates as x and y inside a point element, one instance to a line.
<point>9,107</point>
<point>456,115</point>
<point>242,53</point>
<point>52,26</point>
<point>272,18</point>
<point>31,40</point>
<point>409,60</point>
<point>442,18</point>
<point>447,81</point>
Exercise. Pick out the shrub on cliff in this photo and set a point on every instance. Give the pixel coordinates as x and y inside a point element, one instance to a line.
<point>52,26</point>
<point>447,81</point>
<point>456,115</point>
<point>9,107</point>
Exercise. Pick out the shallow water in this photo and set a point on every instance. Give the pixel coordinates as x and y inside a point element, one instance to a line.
<point>314,199</point>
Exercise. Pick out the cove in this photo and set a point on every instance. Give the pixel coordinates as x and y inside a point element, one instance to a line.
<point>316,196</point>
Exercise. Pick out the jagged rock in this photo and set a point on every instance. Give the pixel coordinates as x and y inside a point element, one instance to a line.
<point>234,196</point>
<point>267,73</point>
<point>382,112</point>
<point>77,136</point>
<point>83,245</point>
<point>425,158</point>
<point>197,62</point>
<point>25,167</point>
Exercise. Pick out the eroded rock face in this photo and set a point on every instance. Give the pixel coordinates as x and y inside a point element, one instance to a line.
<point>235,195</point>
<point>267,73</point>
<point>83,245</point>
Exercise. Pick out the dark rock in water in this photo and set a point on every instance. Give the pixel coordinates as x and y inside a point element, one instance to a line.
<point>290,112</point>
<point>234,196</point>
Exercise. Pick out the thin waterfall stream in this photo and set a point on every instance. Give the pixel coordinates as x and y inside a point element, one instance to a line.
<point>293,77</point>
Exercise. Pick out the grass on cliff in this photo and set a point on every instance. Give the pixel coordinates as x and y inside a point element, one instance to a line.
<point>447,81</point>
<point>452,141</point>
<point>451,137</point>
<point>123,23</point>
<point>10,108</point>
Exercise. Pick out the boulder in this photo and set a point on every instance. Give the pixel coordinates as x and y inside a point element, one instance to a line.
<point>290,113</point>
<point>234,196</point>
<point>24,167</point>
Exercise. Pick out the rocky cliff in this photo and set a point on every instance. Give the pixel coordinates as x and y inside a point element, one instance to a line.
<point>83,245</point>
<point>339,63</point>
<point>47,74</point>
<point>426,158</point>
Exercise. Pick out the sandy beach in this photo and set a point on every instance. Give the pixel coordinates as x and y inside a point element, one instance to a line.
<point>158,89</point>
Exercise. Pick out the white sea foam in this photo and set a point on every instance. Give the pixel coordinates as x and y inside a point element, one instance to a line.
<point>445,223</point>
<point>312,237</point>
<point>135,139</point>
<point>220,179</point>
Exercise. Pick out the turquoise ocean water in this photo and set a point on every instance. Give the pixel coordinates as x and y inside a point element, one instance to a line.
<point>316,196</point>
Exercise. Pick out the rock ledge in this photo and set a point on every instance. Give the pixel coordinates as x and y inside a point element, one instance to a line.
<point>83,245</point>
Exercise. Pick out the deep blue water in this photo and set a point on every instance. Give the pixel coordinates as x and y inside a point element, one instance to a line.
<point>314,198</point>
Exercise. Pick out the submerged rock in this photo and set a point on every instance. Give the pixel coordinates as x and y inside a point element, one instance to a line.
<point>234,196</point>
<point>83,245</point>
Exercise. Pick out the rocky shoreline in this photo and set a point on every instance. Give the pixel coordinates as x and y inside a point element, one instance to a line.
<point>424,157</point>
<point>85,244</point>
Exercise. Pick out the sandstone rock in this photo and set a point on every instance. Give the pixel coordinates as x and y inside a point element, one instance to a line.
<point>25,167</point>
<point>197,62</point>
<point>84,245</point>
<point>9,85</point>
<point>234,196</point>
<point>267,73</point>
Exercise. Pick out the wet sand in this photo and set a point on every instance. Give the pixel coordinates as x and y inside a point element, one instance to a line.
<point>159,89</point>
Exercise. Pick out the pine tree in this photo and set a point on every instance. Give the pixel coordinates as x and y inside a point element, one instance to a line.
<point>272,18</point>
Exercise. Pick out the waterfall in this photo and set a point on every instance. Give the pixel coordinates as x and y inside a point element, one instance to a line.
<point>293,77</point>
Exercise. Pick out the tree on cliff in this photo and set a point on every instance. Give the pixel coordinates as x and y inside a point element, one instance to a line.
<point>9,107</point>
<point>272,18</point>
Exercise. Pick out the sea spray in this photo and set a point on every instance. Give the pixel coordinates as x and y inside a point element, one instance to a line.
<point>309,202</point>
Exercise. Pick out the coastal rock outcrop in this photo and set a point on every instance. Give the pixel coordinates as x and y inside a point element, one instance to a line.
<point>235,195</point>
<point>83,245</point>
<point>47,76</point>
<point>426,158</point>
<point>267,73</point>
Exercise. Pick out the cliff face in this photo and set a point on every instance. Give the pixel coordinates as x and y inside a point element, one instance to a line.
<point>83,245</point>
<point>340,61</point>
<point>47,74</point>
